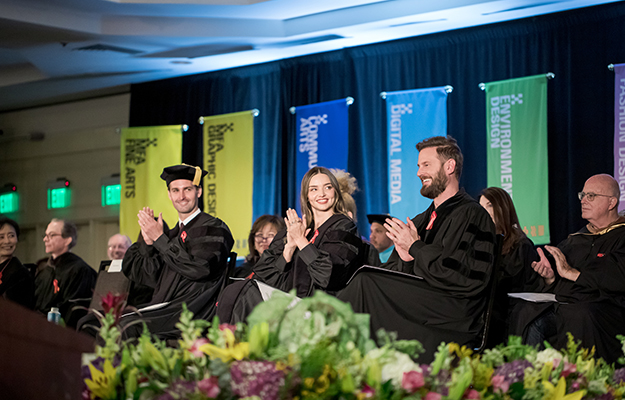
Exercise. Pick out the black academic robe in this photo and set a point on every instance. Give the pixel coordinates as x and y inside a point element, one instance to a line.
<point>67,282</point>
<point>326,264</point>
<point>182,269</point>
<point>454,259</point>
<point>16,283</point>
<point>593,307</point>
<point>516,275</point>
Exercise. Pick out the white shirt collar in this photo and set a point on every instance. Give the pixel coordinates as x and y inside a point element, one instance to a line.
<point>186,221</point>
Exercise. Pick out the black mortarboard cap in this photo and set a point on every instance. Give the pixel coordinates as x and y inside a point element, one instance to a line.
<point>183,171</point>
<point>379,218</point>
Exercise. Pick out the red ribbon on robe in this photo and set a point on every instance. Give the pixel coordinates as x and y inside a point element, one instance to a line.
<point>431,223</point>
<point>314,236</point>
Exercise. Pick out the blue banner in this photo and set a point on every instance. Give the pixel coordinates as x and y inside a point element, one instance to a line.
<point>322,138</point>
<point>412,115</point>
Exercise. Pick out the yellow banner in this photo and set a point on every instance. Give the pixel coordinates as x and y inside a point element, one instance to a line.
<point>145,151</point>
<point>229,160</point>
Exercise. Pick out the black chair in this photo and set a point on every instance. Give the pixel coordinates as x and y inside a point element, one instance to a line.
<point>231,265</point>
<point>491,290</point>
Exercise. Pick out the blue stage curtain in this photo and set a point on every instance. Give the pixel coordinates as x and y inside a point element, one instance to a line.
<point>576,45</point>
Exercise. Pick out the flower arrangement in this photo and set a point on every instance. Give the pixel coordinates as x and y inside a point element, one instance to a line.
<point>320,349</point>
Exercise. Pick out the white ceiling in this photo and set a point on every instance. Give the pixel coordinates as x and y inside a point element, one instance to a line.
<point>56,50</point>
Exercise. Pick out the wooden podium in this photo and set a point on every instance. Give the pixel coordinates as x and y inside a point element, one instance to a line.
<point>39,360</point>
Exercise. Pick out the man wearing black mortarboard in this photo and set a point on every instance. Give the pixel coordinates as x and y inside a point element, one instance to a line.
<point>185,265</point>
<point>378,237</point>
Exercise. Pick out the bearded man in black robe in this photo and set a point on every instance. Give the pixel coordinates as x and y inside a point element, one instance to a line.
<point>67,281</point>
<point>589,278</point>
<point>185,265</point>
<point>449,247</point>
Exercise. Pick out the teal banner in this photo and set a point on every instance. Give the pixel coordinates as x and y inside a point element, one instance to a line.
<point>516,115</point>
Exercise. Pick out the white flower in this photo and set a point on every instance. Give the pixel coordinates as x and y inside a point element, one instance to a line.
<point>396,366</point>
<point>545,356</point>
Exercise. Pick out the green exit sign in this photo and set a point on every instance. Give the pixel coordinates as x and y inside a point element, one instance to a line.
<point>111,195</point>
<point>9,202</point>
<point>59,197</point>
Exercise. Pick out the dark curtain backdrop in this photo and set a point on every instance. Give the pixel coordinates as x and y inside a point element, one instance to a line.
<point>576,45</point>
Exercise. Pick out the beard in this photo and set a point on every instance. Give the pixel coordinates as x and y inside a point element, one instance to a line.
<point>437,186</point>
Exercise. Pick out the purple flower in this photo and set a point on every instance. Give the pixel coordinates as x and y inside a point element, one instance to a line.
<point>256,378</point>
<point>606,396</point>
<point>513,372</point>
<point>619,376</point>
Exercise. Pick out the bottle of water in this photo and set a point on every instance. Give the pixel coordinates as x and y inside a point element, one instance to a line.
<point>54,315</point>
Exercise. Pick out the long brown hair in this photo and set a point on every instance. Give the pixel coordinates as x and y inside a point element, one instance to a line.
<point>339,204</point>
<point>258,225</point>
<point>506,219</point>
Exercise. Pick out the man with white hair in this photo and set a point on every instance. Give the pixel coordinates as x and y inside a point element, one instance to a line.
<point>589,275</point>
<point>117,246</point>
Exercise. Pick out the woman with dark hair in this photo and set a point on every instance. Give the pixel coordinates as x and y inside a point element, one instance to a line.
<point>318,251</point>
<point>515,264</point>
<point>264,229</point>
<point>16,283</point>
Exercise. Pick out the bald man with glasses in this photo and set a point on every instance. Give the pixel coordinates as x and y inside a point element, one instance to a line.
<point>588,278</point>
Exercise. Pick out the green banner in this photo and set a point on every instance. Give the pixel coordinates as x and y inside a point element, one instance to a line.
<point>516,149</point>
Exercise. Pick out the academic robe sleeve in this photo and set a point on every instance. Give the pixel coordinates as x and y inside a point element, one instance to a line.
<point>460,259</point>
<point>20,286</point>
<point>331,264</point>
<point>78,283</point>
<point>271,268</point>
<point>142,264</point>
<point>201,256</point>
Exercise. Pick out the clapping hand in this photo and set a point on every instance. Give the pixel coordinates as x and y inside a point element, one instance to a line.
<point>403,236</point>
<point>295,233</point>
<point>150,229</point>
<point>564,269</point>
<point>543,268</point>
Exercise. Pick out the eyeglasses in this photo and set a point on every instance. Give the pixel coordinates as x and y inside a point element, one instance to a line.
<point>51,235</point>
<point>261,238</point>
<point>590,196</point>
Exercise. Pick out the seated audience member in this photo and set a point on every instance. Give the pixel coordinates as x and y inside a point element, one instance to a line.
<point>117,246</point>
<point>264,229</point>
<point>378,237</point>
<point>319,251</point>
<point>589,275</point>
<point>515,265</point>
<point>16,283</point>
<point>450,247</point>
<point>67,278</point>
<point>186,264</point>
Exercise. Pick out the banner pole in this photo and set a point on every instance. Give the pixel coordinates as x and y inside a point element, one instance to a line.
<point>611,67</point>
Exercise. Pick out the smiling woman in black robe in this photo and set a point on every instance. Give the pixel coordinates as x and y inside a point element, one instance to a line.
<point>16,284</point>
<point>319,251</point>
